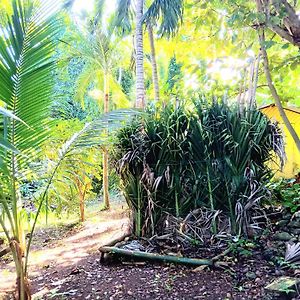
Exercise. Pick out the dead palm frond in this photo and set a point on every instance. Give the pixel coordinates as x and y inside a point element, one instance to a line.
<point>292,254</point>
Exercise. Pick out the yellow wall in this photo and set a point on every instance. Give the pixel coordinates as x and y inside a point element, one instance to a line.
<point>292,165</point>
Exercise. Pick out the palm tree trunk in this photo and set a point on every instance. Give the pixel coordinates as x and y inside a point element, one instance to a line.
<point>154,63</point>
<point>23,288</point>
<point>105,152</point>
<point>139,49</point>
<point>274,93</point>
<point>81,200</point>
<point>81,193</point>
<point>120,76</point>
<point>81,205</point>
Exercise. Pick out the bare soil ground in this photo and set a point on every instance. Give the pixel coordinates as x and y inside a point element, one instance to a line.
<point>65,264</point>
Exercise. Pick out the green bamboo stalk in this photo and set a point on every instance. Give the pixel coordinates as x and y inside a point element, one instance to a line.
<point>158,257</point>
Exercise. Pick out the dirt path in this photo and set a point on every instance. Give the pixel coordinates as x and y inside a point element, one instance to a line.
<point>66,265</point>
<point>69,251</point>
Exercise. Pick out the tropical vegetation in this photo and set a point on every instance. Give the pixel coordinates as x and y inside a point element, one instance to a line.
<point>156,103</point>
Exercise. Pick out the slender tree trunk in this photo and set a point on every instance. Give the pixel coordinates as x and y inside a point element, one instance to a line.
<point>81,205</point>
<point>23,288</point>
<point>250,85</point>
<point>105,179</point>
<point>81,192</point>
<point>105,152</point>
<point>273,90</point>
<point>256,73</point>
<point>139,49</point>
<point>241,97</point>
<point>120,76</point>
<point>154,63</point>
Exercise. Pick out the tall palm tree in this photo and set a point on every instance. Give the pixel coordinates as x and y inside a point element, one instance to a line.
<point>139,49</point>
<point>168,13</point>
<point>99,48</point>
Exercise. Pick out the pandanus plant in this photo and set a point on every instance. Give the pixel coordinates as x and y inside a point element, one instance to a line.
<point>100,50</point>
<point>175,161</point>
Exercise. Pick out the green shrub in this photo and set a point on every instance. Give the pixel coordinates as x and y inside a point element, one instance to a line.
<point>175,160</point>
<point>287,193</point>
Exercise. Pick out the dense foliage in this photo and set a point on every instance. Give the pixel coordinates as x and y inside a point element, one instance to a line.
<point>61,68</point>
<point>287,194</point>
<point>174,160</point>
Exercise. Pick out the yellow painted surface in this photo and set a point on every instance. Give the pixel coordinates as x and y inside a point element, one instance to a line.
<point>292,166</point>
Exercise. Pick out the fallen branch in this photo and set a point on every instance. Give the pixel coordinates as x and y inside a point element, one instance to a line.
<point>114,242</point>
<point>117,240</point>
<point>4,251</point>
<point>221,255</point>
<point>158,257</point>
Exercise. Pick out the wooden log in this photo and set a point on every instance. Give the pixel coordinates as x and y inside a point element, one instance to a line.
<point>158,257</point>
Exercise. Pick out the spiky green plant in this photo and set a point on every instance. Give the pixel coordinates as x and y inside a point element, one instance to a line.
<point>175,160</point>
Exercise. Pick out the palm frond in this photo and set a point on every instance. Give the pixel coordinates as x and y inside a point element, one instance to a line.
<point>94,133</point>
<point>26,65</point>
<point>292,254</point>
<point>68,4</point>
<point>86,77</point>
<point>124,16</point>
<point>99,10</point>
<point>169,12</point>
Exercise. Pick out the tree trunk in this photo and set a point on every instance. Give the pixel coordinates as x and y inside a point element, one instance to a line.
<point>22,284</point>
<point>154,63</point>
<point>105,179</point>
<point>242,91</point>
<point>120,76</point>
<point>81,201</point>
<point>139,49</point>
<point>105,152</point>
<point>255,79</point>
<point>81,198</point>
<point>81,204</point>
<point>273,91</point>
<point>250,84</point>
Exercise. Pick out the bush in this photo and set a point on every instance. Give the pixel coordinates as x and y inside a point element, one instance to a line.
<point>175,160</point>
<point>287,193</point>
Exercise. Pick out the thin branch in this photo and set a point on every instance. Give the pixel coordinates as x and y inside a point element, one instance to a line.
<point>273,90</point>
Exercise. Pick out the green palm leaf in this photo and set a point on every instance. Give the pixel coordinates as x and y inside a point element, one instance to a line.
<point>26,67</point>
<point>169,12</point>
